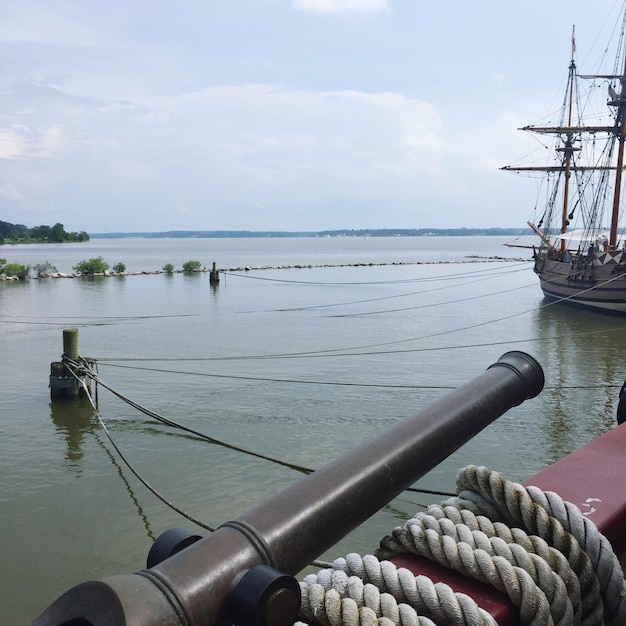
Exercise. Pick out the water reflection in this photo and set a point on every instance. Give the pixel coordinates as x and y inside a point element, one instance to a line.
<point>92,282</point>
<point>131,494</point>
<point>74,418</point>
<point>77,417</point>
<point>581,353</point>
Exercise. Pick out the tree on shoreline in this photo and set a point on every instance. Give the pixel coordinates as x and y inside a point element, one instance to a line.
<point>18,233</point>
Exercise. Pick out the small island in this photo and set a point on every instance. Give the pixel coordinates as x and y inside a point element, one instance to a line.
<point>18,233</point>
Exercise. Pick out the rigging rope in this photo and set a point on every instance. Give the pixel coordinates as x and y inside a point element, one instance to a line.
<point>543,553</point>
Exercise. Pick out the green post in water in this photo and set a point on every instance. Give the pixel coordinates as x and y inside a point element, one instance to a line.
<point>62,383</point>
<point>70,351</point>
<point>70,343</point>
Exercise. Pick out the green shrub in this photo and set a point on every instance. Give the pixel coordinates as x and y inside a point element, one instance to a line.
<point>91,266</point>
<point>168,268</point>
<point>17,270</point>
<point>120,268</point>
<point>192,266</point>
<point>44,269</point>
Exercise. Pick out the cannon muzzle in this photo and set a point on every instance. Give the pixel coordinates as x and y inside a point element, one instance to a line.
<point>242,573</point>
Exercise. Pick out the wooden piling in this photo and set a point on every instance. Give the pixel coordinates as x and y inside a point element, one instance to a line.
<point>214,275</point>
<point>63,385</point>
<point>70,343</point>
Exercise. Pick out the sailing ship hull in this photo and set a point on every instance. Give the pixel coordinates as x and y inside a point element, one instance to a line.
<point>597,282</point>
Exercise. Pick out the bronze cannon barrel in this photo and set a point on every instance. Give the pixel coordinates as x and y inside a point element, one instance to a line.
<point>194,587</point>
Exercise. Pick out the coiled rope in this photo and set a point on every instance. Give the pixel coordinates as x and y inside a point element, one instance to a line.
<point>543,553</point>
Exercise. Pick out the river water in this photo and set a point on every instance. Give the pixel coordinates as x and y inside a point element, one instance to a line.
<point>300,364</point>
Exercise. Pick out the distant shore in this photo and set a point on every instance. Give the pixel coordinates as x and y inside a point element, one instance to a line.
<point>381,232</point>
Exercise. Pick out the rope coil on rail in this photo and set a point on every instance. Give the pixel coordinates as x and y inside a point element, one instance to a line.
<point>543,553</point>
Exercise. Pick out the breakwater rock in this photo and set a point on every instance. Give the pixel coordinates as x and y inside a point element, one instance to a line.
<point>250,268</point>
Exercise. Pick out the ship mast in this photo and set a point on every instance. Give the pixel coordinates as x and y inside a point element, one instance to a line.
<point>568,149</point>
<point>570,137</point>
<point>619,102</point>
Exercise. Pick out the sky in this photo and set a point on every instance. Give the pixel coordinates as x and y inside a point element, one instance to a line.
<point>293,115</point>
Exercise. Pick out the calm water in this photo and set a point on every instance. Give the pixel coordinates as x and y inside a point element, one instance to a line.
<point>368,346</point>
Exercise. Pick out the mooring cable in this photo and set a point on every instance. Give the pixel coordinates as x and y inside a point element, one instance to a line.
<point>249,276</point>
<point>128,464</point>
<point>343,351</point>
<point>433,304</point>
<point>210,439</point>
<point>335,352</point>
<point>85,369</point>
<point>395,296</point>
<point>305,470</point>
<point>277,380</point>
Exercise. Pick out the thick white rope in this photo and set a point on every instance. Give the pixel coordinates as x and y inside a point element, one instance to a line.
<point>493,561</point>
<point>572,563</point>
<point>329,607</point>
<point>547,515</point>
<point>550,560</point>
<point>389,592</point>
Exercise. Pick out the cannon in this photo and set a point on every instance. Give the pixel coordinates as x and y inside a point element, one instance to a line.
<point>243,573</point>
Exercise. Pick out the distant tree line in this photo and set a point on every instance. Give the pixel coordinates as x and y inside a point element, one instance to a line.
<point>376,232</point>
<point>18,233</point>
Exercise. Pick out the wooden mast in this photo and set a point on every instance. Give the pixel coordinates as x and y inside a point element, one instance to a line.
<point>569,134</point>
<point>568,148</point>
<point>621,121</point>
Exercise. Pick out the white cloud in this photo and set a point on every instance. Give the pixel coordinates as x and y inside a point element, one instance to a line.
<point>234,147</point>
<point>268,135</point>
<point>252,116</point>
<point>13,142</point>
<point>19,141</point>
<point>51,141</point>
<point>337,7</point>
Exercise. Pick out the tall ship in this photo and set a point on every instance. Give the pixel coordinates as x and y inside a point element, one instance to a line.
<point>580,257</point>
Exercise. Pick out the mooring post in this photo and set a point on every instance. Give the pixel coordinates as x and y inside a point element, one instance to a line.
<point>214,275</point>
<point>70,343</point>
<point>62,383</point>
